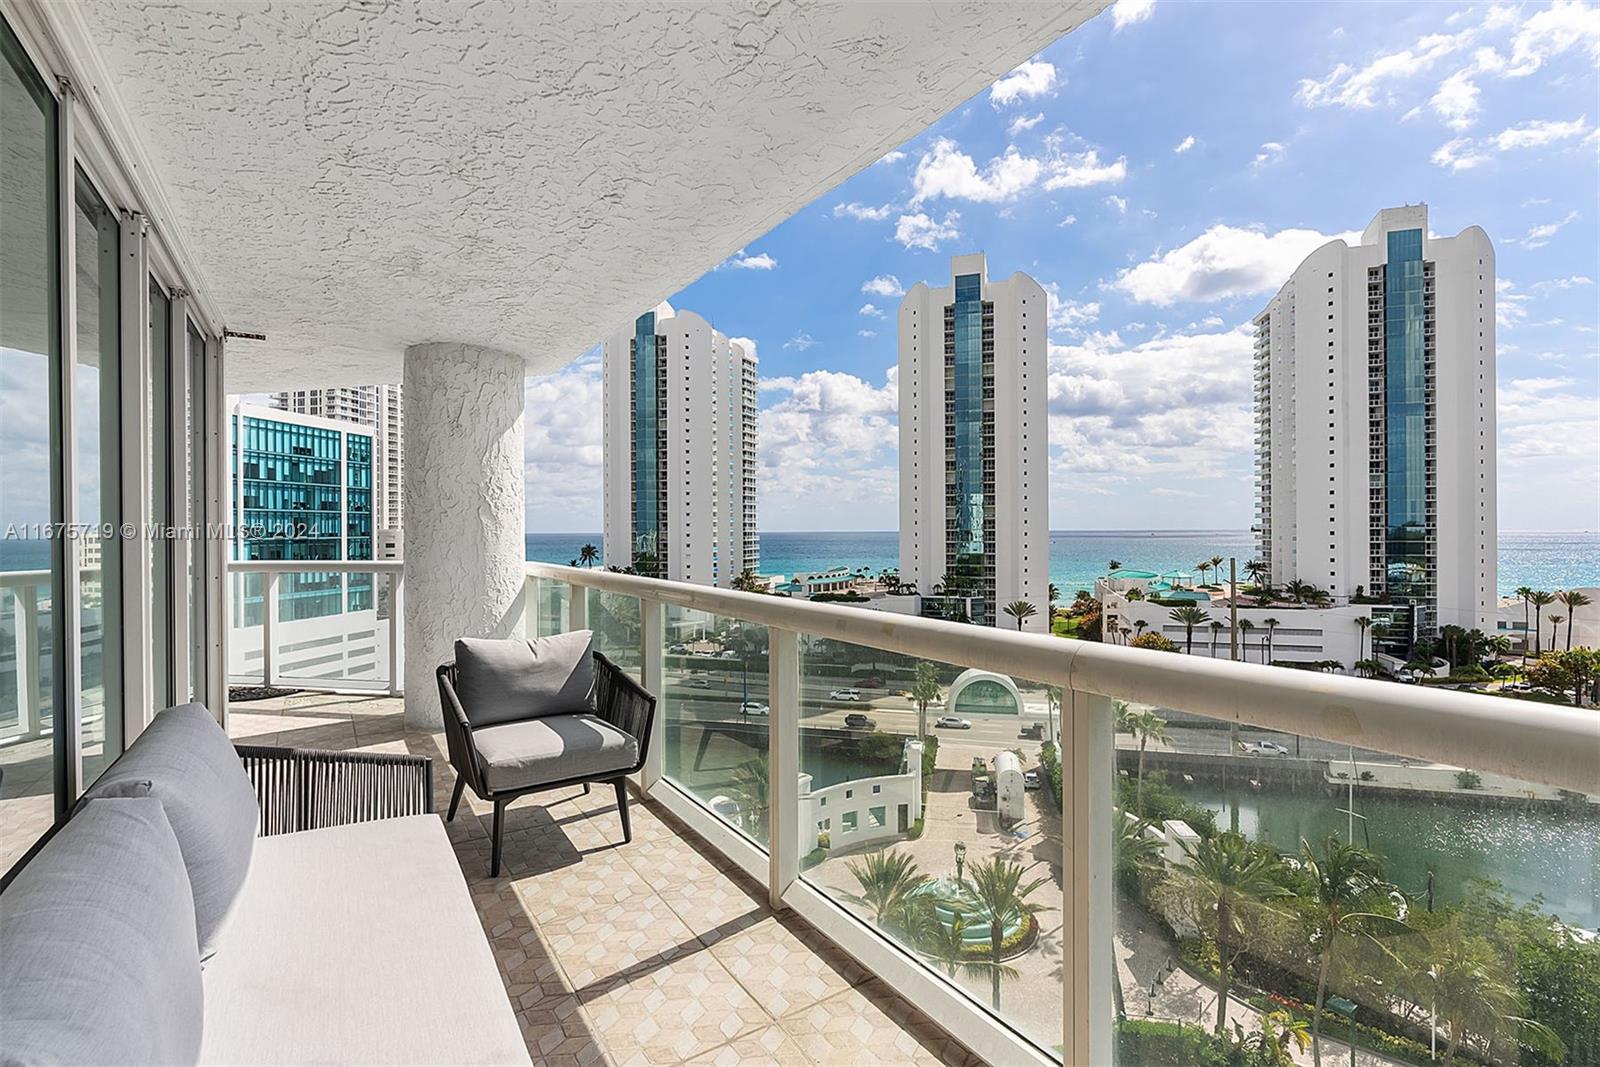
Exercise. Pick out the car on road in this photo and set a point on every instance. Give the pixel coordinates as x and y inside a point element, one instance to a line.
<point>1030,779</point>
<point>870,683</point>
<point>857,721</point>
<point>697,683</point>
<point>951,722</point>
<point>753,707</point>
<point>1035,731</point>
<point>845,694</point>
<point>728,653</point>
<point>1262,748</point>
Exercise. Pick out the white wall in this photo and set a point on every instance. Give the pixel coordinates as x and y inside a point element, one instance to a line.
<point>831,805</point>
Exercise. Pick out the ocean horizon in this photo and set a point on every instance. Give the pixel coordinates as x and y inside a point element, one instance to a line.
<point>1560,559</point>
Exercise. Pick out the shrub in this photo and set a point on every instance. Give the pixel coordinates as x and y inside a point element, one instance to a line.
<point>1050,761</point>
<point>1154,642</point>
<point>1162,1044</point>
<point>1469,780</point>
<point>824,840</point>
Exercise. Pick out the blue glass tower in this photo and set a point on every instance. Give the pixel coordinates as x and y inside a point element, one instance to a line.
<point>1405,418</point>
<point>647,542</point>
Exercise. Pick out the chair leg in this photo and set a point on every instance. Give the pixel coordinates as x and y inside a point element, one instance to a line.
<point>622,809</point>
<point>455,798</point>
<point>499,827</point>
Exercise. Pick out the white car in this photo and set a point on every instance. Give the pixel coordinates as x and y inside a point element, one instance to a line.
<point>951,722</point>
<point>845,694</point>
<point>1030,779</point>
<point>753,707</point>
<point>1262,748</point>
<point>697,683</point>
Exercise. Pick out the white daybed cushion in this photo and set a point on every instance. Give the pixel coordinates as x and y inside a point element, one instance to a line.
<point>357,944</point>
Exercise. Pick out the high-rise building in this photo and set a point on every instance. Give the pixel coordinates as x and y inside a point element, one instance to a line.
<point>1375,423</point>
<point>377,406</point>
<point>680,449</point>
<point>974,448</point>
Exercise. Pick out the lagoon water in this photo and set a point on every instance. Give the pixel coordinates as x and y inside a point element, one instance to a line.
<point>1561,560</point>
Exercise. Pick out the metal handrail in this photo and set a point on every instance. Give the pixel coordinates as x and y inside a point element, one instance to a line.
<point>1543,743</point>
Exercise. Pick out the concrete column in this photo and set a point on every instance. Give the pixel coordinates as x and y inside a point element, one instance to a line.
<point>463,512</point>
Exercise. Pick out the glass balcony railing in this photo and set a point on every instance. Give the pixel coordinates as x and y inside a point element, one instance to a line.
<point>1097,864</point>
<point>332,625</point>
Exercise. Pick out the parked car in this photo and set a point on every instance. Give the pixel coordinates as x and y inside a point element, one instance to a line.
<point>951,722</point>
<point>753,707</point>
<point>1034,731</point>
<point>845,694</point>
<point>857,721</point>
<point>1262,748</point>
<point>1030,779</point>
<point>697,682</point>
<point>728,653</point>
<point>870,683</point>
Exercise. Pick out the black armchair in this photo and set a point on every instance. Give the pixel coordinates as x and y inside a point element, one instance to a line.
<point>505,760</point>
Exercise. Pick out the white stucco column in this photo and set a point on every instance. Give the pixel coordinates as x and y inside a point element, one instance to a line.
<point>463,519</point>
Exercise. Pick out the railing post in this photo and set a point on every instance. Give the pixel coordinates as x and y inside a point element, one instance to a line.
<point>269,609</point>
<point>27,651</point>
<point>530,607</point>
<point>578,609</point>
<point>396,614</point>
<point>783,762</point>
<point>653,676</point>
<point>1088,968</point>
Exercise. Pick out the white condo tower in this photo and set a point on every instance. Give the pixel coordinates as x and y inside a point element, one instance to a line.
<point>1375,422</point>
<point>680,449</point>
<point>974,450</point>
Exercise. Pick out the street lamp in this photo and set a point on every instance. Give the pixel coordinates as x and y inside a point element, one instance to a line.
<point>961,858</point>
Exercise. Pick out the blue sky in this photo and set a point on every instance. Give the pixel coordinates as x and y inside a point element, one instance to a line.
<point>1161,170</point>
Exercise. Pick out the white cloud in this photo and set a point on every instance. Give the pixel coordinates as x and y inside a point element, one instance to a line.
<point>923,231</point>
<point>946,171</point>
<point>1363,87</point>
<point>1552,30</point>
<point>1116,202</point>
<point>1034,78</point>
<point>1023,123</point>
<point>1539,133</point>
<point>1456,100</point>
<point>883,285</point>
<point>892,157</point>
<point>1271,152</point>
<point>1128,12</point>
<point>866,333</point>
<point>1572,281</point>
<point>830,442</point>
<point>1184,145</point>
<point>740,261</point>
<point>1510,306</point>
<point>1083,169</point>
<point>1068,221</point>
<point>1459,154</point>
<point>1069,316</point>
<point>871,309</point>
<point>800,342</point>
<point>863,212</point>
<point>1539,236</point>
<point>563,448</point>
<point>1223,262</point>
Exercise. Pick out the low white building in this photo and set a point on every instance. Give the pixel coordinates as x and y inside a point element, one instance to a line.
<point>1010,786</point>
<point>1516,620</point>
<point>863,811</point>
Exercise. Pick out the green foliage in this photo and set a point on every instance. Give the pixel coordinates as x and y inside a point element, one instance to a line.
<point>1050,762</point>
<point>1162,1044</point>
<point>1576,669</point>
<point>1469,780</point>
<point>1154,642</point>
<point>847,597</point>
<point>1162,803</point>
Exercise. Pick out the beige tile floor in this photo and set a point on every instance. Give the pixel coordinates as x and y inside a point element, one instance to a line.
<point>656,952</point>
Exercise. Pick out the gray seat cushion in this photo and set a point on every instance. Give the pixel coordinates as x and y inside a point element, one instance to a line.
<point>357,944</point>
<point>517,755</point>
<point>505,681</point>
<point>98,958</point>
<point>185,760</point>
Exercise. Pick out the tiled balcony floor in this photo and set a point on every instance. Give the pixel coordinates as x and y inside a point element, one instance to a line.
<point>655,952</point>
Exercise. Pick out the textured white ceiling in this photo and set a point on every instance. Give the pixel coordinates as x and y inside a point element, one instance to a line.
<point>352,178</point>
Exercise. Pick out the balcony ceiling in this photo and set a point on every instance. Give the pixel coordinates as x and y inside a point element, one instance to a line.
<point>352,178</point>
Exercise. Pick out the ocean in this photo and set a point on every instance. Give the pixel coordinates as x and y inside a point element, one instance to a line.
<point>1560,560</point>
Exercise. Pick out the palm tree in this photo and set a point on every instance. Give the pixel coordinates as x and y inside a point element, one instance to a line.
<point>1297,590</point>
<point>1472,990</point>
<point>996,892</point>
<point>1190,616</point>
<point>1572,600</point>
<point>1223,873</point>
<point>1525,594</point>
<point>1020,610</point>
<point>1203,566</point>
<point>1540,600</point>
<point>1555,624</point>
<point>1257,570</point>
<point>887,880</point>
<point>589,555</point>
<point>1216,570</point>
<point>924,691</point>
<point>1054,594</point>
<point>1133,851</point>
<point>749,786</point>
<point>944,943</point>
<point>1245,626</point>
<point>1270,1044</point>
<point>1146,726</point>
<point>1266,646</point>
<point>1361,643</point>
<point>1216,630</point>
<point>1138,627</point>
<point>1347,883</point>
<point>1115,565</point>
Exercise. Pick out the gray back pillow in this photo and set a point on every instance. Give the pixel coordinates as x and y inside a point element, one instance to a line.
<point>506,681</point>
<point>185,760</point>
<point>98,959</point>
